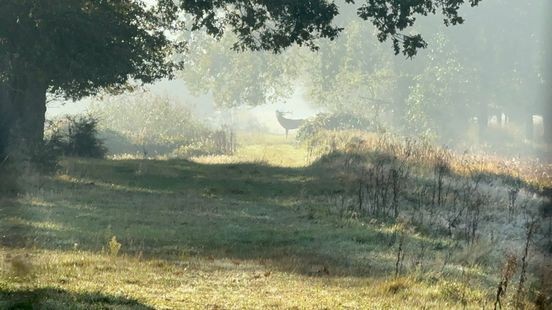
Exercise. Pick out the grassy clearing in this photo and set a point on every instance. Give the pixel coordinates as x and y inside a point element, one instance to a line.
<point>268,149</point>
<point>255,231</point>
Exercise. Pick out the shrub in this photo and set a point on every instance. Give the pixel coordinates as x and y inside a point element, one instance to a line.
<point>8,178</point>
<point>218,142</point>
<point>74,136</point>
<point>82,138</point>
<point>45,156</point>
<point>146,123</point>
<point>336,121</point>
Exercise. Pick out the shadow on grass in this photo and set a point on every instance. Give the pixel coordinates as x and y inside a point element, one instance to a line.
<point>289,239</point>
<point>52,298</point>
<point>177,208</point>
<point>246,181</point>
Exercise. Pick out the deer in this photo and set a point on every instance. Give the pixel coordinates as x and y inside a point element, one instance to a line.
<point>287,123</point>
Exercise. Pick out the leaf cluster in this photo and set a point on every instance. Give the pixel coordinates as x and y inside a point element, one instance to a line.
<point>275,24</point>
<point>392,17</point>
<point>79,46</point>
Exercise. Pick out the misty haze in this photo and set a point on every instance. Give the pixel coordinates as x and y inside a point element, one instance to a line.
<point>236,154</point>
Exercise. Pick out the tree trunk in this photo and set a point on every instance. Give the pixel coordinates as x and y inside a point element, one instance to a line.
<point>547,123</point>
<point>31,108</point>
<point>483,120</point>
<point>22,113</point>
<point>5,118</point>
<point>5,123</point>
<point>529,127</point>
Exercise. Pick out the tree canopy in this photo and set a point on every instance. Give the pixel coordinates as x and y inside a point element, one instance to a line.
<point>76,47</point>
<point>277,24</point>
<point>73,48</point>
<point>79,46</point>
<point>471,72</point>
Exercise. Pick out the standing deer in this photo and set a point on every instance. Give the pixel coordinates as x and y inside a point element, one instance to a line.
<point>287,123</point>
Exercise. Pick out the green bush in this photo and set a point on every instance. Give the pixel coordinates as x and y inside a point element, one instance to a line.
<point>74,136</point>
<point>145,123</point>
<point>83,138</point>
<point>336,121</point>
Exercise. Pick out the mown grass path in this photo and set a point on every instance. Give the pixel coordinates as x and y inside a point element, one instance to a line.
<point>206,236</point>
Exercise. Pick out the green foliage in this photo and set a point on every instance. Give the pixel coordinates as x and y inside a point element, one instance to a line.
<point>73,48</point>
<point>391,17</point>
<point>154,125</point>
<point>212,65</point>
<point>276,25</point>
<point>352,73</point>
<point>74,136</point>
<point>79,46</point>
<point>440,102</point>
<point>82,139</point>
<point>267,25</point>
<point>148,123</point>
<point>335,121</point>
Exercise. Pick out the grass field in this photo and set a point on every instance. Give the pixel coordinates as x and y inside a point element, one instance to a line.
<point>229,232</point>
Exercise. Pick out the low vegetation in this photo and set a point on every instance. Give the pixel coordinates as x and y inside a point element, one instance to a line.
<point>75,136</point>
<point>140,124</point>
<point>343,220</point>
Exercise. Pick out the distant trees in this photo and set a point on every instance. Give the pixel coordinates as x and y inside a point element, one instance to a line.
<point>511,73</point>
<point>235,79</point>
<point>73,48</point>
<point>467,75</point>
<point>353,73</point>
<point>440,101</point>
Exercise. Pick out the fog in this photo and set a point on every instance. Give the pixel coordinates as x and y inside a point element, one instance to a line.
<point>242,155</point>
<point>482,82</point>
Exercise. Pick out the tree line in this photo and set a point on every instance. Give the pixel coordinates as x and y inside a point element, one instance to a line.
<point>78,48</point>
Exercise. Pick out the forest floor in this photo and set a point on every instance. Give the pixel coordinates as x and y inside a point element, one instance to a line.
<point>226,232</point>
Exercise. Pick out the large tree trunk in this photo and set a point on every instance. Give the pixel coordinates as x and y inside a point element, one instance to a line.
<point>22,113</point>
<point>5,124</point>
<point>31,109</point>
